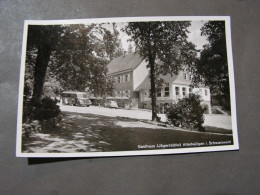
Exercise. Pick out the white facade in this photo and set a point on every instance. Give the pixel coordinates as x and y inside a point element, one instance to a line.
<point>175,90</point>
<point>139,74</point>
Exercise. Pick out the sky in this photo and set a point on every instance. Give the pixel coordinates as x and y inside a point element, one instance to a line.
<point>194,36</point>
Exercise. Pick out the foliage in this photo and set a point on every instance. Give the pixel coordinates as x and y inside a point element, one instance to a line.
<point>211,68</point>
<point>46,110</point>
<point>73,57</point>
<point>36,117</point>
<point>41,41</point>
<point>164,46</point>
<point>112,44</point>
<point>187,113</point>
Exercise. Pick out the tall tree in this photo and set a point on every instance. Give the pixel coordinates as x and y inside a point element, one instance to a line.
<point>72,55</point>
<point>111,42</point>
<point>164,46</point>
<point>211,68</point>
<point>81,67</point>
<point>43,39</point>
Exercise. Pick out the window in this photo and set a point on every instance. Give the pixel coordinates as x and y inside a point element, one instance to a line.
<point>126,78</point>
<point>145,93</point>
<point>127,92</point>
<point>184,91</point>
<point>166,92</point>
<point>206,92</point>
<point>118,79</point>
<point>149,93</point>
<point>177,90</point>
<point>190,77</point>
<point>185,76</point>
<point>158,92</point>
<point>190,90</point>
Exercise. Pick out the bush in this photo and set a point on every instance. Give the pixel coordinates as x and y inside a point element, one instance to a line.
<point>187,113</point>
<point>46,110</point>
<point>44,114</point>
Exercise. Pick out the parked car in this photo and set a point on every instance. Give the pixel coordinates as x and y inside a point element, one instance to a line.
<point>111,104</point>
<point>75,98</point>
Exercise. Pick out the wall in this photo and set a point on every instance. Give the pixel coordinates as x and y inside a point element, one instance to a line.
<point>139,74</point>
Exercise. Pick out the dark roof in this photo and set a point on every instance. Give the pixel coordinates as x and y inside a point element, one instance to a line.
<point>128,62</point>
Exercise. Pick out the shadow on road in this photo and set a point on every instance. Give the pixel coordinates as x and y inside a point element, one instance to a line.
<point>96,133</point>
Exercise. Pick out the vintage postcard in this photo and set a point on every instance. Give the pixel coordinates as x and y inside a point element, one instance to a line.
<point>126,86</point>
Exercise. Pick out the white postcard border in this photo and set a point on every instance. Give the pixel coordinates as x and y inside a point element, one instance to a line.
<point>235,145</point>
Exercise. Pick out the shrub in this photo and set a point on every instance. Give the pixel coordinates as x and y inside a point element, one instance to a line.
<point>187,113</point>
<point>44,114</point>
<point>46,110</point>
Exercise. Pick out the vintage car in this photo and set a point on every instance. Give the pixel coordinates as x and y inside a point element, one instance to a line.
<point>111,104</point>
<point>75,98</point>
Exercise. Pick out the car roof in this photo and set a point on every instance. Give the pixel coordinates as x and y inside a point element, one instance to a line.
<point>73,92</point>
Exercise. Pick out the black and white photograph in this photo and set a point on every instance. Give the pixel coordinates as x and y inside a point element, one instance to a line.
<point>126,86</point>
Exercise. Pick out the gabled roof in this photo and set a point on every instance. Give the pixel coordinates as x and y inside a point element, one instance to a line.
<point>128,62</point>
<point>146,84</point>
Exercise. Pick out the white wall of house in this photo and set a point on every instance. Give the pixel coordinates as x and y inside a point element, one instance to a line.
<point>139,74</point>
<point>165,94</point>
<point>203,92</point>
<point>180,91</point>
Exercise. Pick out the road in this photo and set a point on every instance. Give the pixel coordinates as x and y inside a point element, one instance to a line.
<point>88,132</point>
<point>213,120</point>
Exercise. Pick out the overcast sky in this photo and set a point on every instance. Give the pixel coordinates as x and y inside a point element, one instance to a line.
<point>194,36</point>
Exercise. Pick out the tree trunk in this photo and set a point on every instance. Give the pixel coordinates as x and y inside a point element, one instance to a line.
<point>40,69</point>
<point>153,91</point>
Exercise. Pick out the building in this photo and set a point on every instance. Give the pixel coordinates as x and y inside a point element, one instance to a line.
<point>172,89</point>
<point>128,72</point>
<point>132,84</point>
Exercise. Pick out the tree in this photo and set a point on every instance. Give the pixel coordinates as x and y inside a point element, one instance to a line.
<point>211,68</point>
<point>111,42</point>
<point>72,55</point>
<point>78,68</point>
<point>42,40</point>
<point>164,46</point>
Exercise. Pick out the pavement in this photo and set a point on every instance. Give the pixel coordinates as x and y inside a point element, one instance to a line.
<point>93,132</point>
<point>212,120</point>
